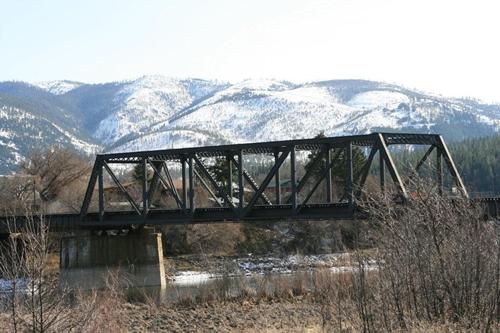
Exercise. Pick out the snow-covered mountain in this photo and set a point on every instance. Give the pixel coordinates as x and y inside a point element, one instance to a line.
<point>159,112</point>
<point>148,100</point>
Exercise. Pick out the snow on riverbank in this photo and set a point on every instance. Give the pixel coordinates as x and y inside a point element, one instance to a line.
<point>255,266</point>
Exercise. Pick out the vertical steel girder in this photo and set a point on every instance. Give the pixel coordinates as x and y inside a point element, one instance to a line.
<point>277,181</point>
<point>145,204</point>
<point>184,183</point>
<point>101,194</point>
<point>229,167</point>
<point>439,170</point>
<point>381,172</point>
<point>191,185</point>
<point>349,176</point>
<point>328,177</point>
<point>241,185</point>
<point>293,179</point>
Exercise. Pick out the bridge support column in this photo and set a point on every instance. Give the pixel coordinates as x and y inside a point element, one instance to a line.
<point>11,255</point>
<point>136,258</point>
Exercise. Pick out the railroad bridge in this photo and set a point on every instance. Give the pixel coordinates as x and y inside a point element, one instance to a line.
<point>242,199</point>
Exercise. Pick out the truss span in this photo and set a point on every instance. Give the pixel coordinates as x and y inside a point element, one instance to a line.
<point>328,188</point>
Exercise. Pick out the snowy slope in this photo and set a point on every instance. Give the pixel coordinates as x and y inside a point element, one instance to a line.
<point>264,110</point>
<point>149,100</point>
<point>58,87</point>
<point>22,131</point>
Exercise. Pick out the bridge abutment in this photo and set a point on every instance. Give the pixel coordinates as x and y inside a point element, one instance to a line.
<point>131,260</point>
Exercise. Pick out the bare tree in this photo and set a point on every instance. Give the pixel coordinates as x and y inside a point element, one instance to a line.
<point>36,301</point>
<point>16,194</point>
<point>54,169</point>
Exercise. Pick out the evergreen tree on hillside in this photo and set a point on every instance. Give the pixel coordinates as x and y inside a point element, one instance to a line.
<point>138,176</point>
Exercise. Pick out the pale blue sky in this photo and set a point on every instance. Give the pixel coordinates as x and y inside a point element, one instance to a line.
<point>448,47</point>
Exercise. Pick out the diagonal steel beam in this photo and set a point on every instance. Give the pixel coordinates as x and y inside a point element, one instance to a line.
<point>451,165</point>
<point>414,172</point>
<point>396,178</point>
<point>252,182</point>
<point>207,174</point>
<point>120,186</point>
<point>157,168</point>
<point>167,186</point>
<point>424,158</point>
<point>90,187</point>
<point>171,181</point>
<point>205,185</point>
<point>319,180</point>
<point>266,181</point>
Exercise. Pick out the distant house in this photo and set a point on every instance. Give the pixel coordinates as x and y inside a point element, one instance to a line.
<point>114,196</point>
<point>114,189</point>
<point>285,186</point>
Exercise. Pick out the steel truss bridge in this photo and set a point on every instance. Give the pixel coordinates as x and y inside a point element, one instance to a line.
<point>232,203</point>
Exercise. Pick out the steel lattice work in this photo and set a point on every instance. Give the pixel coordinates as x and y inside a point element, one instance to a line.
<point>195,173</point>
<point>243,198</point>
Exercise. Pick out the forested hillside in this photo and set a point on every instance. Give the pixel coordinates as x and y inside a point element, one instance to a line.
<point>478,161</point>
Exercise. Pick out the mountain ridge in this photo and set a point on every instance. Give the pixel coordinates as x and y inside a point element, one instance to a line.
<point>155,111</point>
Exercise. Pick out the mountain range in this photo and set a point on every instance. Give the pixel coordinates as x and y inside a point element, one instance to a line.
<point>154,112</point>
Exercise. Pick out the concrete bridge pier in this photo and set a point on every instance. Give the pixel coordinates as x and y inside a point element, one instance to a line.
<point>11,255</point>
<point>136,259</point>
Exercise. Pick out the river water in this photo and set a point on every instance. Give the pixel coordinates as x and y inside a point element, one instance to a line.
<point>253,276</point>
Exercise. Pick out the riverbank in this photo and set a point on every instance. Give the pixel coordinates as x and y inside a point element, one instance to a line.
<point>296,315</point>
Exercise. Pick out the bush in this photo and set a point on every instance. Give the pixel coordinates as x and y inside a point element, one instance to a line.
<point>439,262</point>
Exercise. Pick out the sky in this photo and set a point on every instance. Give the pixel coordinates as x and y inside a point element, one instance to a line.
<point>440,46</point>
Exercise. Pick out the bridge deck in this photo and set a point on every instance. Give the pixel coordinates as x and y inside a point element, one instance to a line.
<point>127,219</point>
